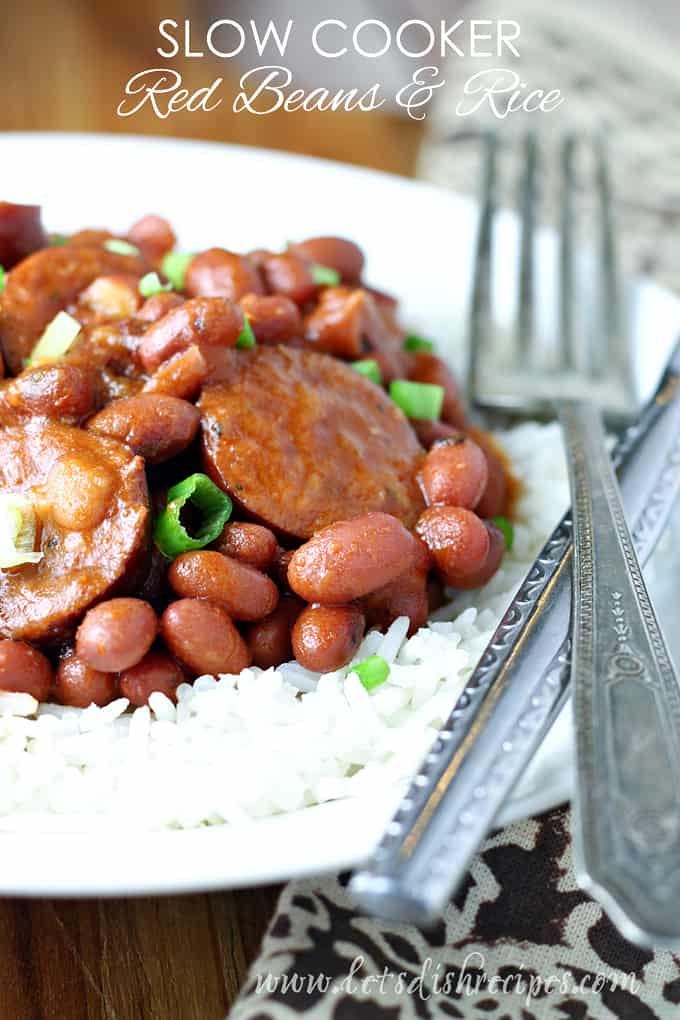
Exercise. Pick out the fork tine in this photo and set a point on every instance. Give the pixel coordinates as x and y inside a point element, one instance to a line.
<point>612,352</point>
<point>568,352</point>
<point>527,202</point>
<point>480,311</point>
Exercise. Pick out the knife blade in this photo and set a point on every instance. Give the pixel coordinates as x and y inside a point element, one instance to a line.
<point>514,694</point>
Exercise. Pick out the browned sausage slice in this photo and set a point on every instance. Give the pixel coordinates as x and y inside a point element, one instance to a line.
<point>44,601</point>
<point>300,440</point>
<point>48,282</point>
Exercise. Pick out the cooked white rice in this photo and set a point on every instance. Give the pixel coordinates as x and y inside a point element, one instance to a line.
<point>242,747</point>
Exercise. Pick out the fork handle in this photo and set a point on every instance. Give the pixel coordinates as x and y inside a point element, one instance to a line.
<point>626,696</point>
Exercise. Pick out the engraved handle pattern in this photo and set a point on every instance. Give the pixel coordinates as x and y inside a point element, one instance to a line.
<point>626,706</point>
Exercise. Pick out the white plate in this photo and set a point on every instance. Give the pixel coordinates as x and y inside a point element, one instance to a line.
<point>419,241</point>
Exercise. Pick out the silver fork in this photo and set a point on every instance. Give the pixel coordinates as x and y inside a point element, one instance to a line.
<point>628,831</point>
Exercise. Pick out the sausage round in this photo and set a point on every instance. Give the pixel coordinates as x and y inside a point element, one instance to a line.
<point>47,282</point>
<point>43,601</point>
<point>299,441</point>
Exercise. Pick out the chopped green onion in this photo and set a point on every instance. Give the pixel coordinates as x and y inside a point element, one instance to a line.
<point>57,240</point>
<point>504,525</point>
<point>370,368</point>
<point>119,247</point>
<point>18,526</point>
<point>324,276</point>
<point>171,536</point>
<point>418,400</point>
<point>372,672</point>
<point>56,340</point>
<point>3,276</point>
<point>418,343</point>
<point>151,284</point>
<point>174,266</point>
<point>246,337</point>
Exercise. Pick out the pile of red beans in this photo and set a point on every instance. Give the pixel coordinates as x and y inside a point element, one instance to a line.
<point>106,614</point>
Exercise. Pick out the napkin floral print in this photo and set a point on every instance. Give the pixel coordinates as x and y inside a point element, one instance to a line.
<point>519,942</point>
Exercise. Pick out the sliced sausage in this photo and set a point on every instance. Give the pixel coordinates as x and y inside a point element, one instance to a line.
<point>47,282</point>
<point>80,565</point>
<point>300,440</point>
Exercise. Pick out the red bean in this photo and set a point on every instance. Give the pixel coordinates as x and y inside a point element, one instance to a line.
<point>269,640</point>
<point>156,672</point>
<point>249,543</point>
<point>155,426</point>
<point>427,368</point>
<point>290,276</point>
<point>337,253</point>
<point>407,596</point>
<point>245,592</point>
<point>493,559</point>
<point>454,472</point>
<point>326,637</point>
<point>275,319</point>
<point>79,685</point>
<point>116,634</point>
<point>494,501</point>
<point>459,542</point>
<point>21,232</point>
<point>158,305</point>
<point>24,670</point>
<point>345,323</point>
<point>431,432</point>
<point>58,390</point>
<point>153,236</point>
<point>351,558</point>
<point>202,636</point>
<point>279,566</point>
<point>180,376</point>
<point>220,273</point>
<point>210,323</point>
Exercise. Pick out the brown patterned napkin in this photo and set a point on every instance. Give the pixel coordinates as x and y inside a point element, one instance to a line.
<point>520,941</point>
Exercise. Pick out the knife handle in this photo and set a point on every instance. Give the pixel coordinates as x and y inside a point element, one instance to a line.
<point>626,696</point>
<point>523,676</point>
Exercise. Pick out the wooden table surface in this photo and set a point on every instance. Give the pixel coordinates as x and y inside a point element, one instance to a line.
<point>62,67</point>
